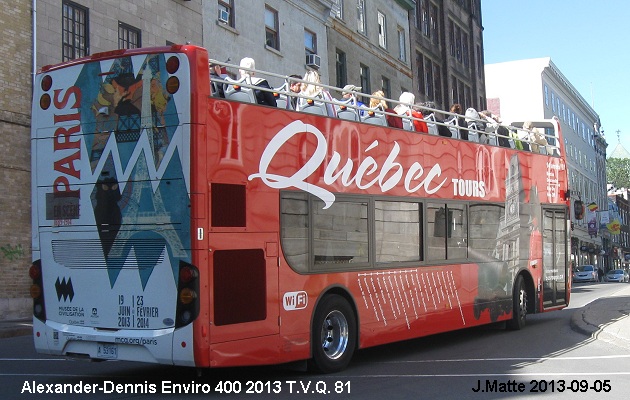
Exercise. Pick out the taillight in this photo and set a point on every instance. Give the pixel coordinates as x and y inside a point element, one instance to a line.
<point>46,83</point>
<point>172,84</point>
<point>37,290</point>
<point>34,272</point>
<point>172,65</point>
<point>187,294</point>
<point>187,274</point>
<point>44,101</point>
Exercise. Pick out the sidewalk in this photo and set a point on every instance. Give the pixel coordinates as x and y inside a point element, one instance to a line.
<point>16,327</point>
<point>606,318</point>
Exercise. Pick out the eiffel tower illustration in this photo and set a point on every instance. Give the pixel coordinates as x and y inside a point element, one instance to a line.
<point>159,216</point>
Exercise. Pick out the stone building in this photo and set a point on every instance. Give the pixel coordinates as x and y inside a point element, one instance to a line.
<point>369,46</point>
<point>277,34</point>
<point>447,53</point>
<point>536,89</point>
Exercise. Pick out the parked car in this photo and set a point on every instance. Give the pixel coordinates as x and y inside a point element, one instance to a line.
<point>585,273</point>
<point>617,275</point>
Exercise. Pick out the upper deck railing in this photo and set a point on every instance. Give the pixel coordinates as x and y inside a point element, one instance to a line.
<point>538,136</point>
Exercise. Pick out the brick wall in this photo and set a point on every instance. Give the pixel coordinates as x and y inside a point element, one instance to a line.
<point>159,22</point>
<point>15,110</point>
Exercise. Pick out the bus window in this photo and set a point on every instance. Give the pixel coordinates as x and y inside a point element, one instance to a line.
<point>456,244</point>
<point>398,231</point>
<point>340,233</point>
<point>294,229</point>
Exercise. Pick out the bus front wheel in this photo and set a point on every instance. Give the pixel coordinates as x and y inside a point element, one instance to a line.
<point>333,338</point>
<point>519,305</point>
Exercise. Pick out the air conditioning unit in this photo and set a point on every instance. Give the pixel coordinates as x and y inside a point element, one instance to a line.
<point>313,61</point>
<point>224,16</point>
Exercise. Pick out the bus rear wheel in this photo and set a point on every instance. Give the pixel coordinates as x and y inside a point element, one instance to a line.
<point>334,337</point>
<point>519,305</point>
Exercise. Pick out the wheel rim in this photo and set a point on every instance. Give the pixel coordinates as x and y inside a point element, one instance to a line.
<point>522,304</point>
<point>334,335</point>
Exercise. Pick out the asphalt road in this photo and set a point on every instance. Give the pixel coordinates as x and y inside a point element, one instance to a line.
<point>547,359</point>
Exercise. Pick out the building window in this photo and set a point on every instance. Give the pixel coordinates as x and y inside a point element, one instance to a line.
<point>361,16</point>
<point>460,93</point>
<point>382,30</point>
<point>479,61</point>
<point>459,44</point>
<point>128,37</point>
<point>365,81</point>
<point>341,68</point>
<point>420,72</point>
<point>402,45</point>
<point>74,31</point>
<point>451,41</point>
<point>465,50</point>
<point>337,9</point>
<point>546,96</point>
<point>427,19</point>
<point>271,28</point>
<point>433,23</point>
<point>226,12</point>
<point>310,42</point>
<point>387,87</point>
<point>429,79</point>
<point>424,18</point>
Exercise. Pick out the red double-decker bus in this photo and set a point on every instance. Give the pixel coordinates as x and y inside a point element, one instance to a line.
<point>174,227</point>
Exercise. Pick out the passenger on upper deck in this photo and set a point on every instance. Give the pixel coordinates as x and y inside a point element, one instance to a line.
<point>217,72</point>
<point>294,87</point>
<point>349,91</point>
<point>379,100</point>
<point>406,108</point>
<point>263,97</point>
<point>539,142</point>
<point>312,89</point>
<point>494,121</point>
<point>459,122</point>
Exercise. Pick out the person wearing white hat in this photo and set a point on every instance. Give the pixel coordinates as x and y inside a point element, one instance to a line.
<point>264,97</point>
<point>348,93</point>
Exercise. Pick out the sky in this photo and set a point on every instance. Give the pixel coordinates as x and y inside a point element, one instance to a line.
<point>586,40</point>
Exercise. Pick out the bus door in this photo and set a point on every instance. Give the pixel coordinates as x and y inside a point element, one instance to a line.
<point>554,237</point>
<point>244,285</point>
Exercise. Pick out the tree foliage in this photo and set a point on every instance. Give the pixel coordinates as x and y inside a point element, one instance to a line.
<point>618,172</point>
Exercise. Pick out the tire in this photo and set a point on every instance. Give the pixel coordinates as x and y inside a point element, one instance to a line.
<point>519,305</point>
<point>334,335</point>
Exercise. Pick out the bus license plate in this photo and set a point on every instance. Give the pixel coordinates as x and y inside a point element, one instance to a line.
<point>107,350</point>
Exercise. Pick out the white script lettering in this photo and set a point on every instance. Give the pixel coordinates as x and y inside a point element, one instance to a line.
<point>386,176</point>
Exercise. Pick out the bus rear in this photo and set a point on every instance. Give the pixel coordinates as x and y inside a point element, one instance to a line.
<point>113,276</point>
